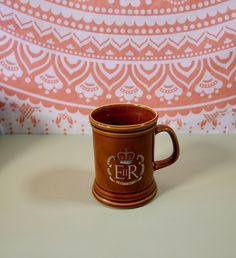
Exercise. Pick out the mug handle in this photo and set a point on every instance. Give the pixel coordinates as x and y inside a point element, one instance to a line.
<point>175,154</point>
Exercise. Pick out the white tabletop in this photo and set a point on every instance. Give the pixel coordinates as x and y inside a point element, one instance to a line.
<point>47,209</point>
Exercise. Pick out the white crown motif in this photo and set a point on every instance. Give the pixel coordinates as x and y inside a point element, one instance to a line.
<point>126,157</point>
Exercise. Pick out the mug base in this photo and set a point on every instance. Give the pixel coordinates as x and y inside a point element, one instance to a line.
<point>127,200</point>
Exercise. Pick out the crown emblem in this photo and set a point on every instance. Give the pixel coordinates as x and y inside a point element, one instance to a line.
<point>126,157</point>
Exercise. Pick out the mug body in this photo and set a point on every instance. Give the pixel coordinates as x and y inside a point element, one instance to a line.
<point>123,139</point>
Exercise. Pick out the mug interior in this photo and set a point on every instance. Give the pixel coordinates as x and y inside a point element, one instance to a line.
<point>123,114</point>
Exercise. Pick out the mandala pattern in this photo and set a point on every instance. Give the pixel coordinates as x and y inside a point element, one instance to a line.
<point>59,59</point>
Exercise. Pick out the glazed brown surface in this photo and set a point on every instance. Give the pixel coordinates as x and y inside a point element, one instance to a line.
<point>123,138</point>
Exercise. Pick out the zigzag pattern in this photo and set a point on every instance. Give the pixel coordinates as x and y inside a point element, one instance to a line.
<point>129,49</point>
<point>62,77</point>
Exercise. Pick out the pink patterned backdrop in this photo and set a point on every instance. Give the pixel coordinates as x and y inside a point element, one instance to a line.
<point>59,59</point>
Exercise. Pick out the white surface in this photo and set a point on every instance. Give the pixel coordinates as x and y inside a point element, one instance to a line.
<point>47,209</point>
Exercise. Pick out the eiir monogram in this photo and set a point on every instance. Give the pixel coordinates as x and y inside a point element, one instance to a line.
<point>125,168</point>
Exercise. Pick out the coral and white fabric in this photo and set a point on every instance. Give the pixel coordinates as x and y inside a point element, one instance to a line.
<point>59,59</point>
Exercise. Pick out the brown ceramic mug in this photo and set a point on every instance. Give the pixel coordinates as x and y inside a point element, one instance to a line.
<point>123,139</point>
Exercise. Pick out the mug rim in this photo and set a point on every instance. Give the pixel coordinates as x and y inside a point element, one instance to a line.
<point>123,128</point>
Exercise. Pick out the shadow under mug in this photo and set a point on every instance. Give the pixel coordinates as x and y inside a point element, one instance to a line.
<point>123,140</point>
